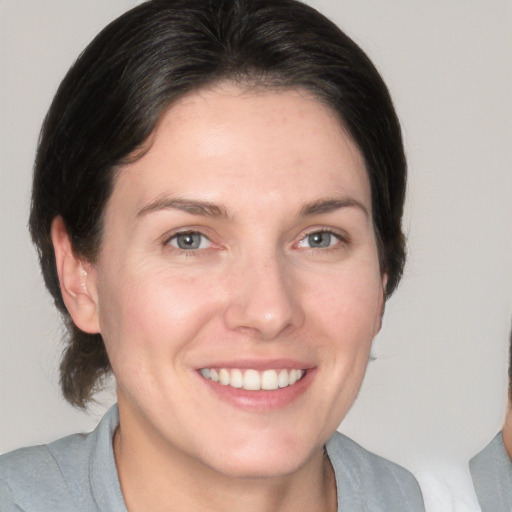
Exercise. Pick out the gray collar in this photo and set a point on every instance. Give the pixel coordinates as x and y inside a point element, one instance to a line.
<point>491,470</point>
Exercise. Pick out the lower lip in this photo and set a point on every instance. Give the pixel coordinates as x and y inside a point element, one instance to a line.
<point>262,400</point>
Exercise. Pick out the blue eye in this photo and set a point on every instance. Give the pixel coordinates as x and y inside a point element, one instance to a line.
<point>319,240</point>
<point>189,240</point>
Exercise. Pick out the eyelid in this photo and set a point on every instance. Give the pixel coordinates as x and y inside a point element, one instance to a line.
<point>341,235</point>
<point>168,237</point>
<point>202,240</point>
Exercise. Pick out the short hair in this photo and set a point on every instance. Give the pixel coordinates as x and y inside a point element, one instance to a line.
<point>113,96</point>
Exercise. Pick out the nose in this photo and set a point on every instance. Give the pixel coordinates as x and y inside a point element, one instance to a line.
<point>264,300</point>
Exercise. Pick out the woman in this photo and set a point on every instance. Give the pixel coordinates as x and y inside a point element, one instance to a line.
<point>217,205</point>
<point>491,468</point>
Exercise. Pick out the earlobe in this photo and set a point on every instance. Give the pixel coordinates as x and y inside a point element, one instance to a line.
<point>76,284</point>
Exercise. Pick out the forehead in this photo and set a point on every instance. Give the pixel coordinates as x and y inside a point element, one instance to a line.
<point>280,142</point>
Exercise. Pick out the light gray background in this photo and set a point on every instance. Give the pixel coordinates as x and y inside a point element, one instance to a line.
<point>437,391</point>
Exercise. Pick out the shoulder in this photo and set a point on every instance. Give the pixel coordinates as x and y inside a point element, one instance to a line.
<point>367,481</point>
<point>32,476</point>
<point>491,471</point>
<point>490,457</point>
<point>72,473</point>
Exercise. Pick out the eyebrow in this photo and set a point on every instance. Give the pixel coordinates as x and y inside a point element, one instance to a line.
<point>202,208</point>
<point>329,205</point>
<point>213,210</point>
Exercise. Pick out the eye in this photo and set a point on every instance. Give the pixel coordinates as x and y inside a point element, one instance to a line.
<point>189,240</point>
<point>320,240</point>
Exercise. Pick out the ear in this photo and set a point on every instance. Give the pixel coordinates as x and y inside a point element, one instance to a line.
<point>77,288</point>
<point>382,305</point>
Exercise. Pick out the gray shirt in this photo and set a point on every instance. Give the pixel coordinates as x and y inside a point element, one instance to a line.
<point>491,470</point>
<point>78,473</point>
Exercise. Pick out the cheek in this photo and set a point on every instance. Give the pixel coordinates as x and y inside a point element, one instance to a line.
<point>148,311</point>
<point>348,315</point>
<point>345,315</point>
<point>349,303</point>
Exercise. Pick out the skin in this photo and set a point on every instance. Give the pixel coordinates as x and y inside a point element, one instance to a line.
<point>256,290</point>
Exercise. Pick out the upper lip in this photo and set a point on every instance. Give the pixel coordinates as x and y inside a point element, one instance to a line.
<point>259,364</point>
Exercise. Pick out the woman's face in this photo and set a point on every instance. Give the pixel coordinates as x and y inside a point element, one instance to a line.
<point>238,284</point>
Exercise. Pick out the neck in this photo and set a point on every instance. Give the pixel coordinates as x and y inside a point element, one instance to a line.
<point>507,432</point>
<point>154,476</point>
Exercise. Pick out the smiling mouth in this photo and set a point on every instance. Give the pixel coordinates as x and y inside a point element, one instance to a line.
<point>253,380</point>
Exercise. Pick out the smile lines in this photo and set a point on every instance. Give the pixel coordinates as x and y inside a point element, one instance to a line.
<point>253,380</point>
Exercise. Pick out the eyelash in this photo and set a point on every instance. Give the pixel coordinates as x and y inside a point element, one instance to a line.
<point>190,251</point>
<point>342,241</point>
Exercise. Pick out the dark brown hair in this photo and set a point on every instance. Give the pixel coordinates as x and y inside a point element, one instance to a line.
<point>111,99</point>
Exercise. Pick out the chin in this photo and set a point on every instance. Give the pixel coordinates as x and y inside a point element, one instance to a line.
<point>250,469</point>
<point>264,460</point>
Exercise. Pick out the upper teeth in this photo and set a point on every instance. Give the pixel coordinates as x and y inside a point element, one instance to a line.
<point>253,380</point>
